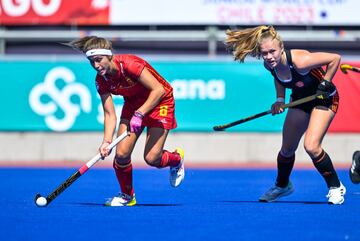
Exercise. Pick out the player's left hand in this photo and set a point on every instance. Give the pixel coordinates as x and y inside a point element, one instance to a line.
<point>326,89</point>
<point>136,122</point>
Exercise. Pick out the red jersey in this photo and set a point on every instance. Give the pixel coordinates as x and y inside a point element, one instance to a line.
<point>126,83</point>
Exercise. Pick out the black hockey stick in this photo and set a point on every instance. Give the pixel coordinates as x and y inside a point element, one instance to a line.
<point>252,117</point>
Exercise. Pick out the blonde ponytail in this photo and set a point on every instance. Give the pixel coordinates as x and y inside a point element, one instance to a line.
<point>246,42</point>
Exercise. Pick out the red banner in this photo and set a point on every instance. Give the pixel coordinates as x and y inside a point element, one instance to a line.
<point>50,12</point>
<point>347,118</point>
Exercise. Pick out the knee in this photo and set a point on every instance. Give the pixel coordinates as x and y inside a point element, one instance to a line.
<point>312,148</point>
<point>122,158</point>
<point>285,152</point>
<point>153,159</point>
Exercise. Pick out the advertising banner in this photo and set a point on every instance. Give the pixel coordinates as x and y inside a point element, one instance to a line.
<point>347,118</point>
<point>63,12</point>
<point>235,12</point>
<point>184,12</point>
<point>61,96</point>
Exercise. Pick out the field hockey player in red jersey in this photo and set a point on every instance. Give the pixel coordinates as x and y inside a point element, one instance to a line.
<point>300,71</point>
<point>148,102</point>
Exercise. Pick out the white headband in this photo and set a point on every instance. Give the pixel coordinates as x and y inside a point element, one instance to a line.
<point>93,52</point>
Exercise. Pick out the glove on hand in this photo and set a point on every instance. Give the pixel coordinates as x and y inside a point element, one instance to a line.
<point>136,121</point>
<point>326,89</point>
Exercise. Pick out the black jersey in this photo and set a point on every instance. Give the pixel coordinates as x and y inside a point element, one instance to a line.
<point>303,85</point>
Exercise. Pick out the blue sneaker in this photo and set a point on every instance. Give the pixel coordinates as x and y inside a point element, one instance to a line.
<point>276,192</point>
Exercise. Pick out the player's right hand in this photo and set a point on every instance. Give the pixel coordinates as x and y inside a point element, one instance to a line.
<point>277,108</point>
<point>103,149</point>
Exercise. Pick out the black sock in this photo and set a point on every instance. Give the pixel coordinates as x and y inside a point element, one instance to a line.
<point>284,166</point>
<point>325,167</point>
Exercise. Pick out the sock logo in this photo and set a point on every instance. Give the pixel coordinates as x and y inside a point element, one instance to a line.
<point>59,99</point>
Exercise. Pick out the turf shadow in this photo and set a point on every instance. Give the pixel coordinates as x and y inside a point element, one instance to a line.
<point>137,205</point>
<point>255,201</point>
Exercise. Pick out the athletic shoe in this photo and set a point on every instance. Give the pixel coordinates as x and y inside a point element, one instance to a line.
<point>177,174</point>
<point>121,200</point>
<point>276,192</point>
<point>336,194</point>
<point>355,168</point>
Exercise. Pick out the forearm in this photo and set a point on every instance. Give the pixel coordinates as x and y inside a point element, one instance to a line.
<point>332,67</point>
<point>280,90</point>
<point>153,100</point>
<point>109,127</point>
<point>280,94</point>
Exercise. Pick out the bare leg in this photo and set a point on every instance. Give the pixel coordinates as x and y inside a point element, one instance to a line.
<point>154,153</point>
<point>320,120</point>
<point>156,156</point>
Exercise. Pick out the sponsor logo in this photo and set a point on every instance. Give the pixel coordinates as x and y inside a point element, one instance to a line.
<point>47,99</point>
<point>199,89</point>
<point>20,8</point>
<point>299,84</point>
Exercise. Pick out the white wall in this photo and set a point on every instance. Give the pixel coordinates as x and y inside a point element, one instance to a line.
<point>201,149</point>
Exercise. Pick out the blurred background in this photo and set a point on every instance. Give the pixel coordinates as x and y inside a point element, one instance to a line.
<point>51,113</point>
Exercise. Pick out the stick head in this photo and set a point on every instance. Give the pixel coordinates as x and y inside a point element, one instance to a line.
<point>218,128</point>
<point>345,67</point>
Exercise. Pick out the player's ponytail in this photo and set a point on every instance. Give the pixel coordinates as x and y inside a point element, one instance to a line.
<point>246,42</point>
<point>90,42</point>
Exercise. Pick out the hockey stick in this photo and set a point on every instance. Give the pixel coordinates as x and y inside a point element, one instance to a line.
<point>345,67</point>
<point>41,201</point>
<point>249,118</point>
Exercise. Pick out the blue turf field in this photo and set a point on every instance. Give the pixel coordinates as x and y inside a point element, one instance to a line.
<point>210,205</point>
